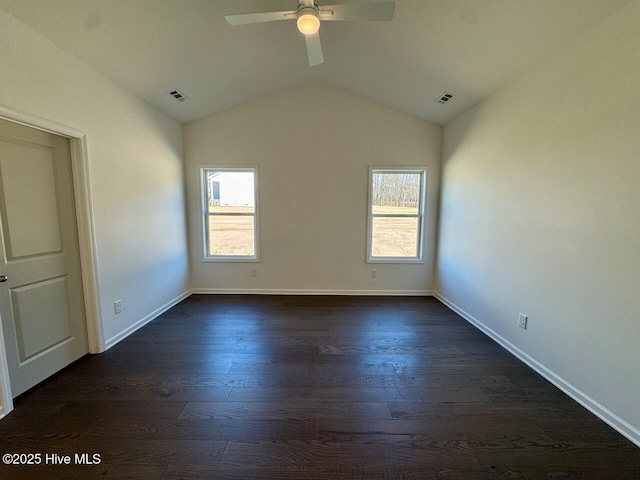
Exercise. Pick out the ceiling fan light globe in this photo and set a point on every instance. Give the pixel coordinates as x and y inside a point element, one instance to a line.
<point>308,24</point>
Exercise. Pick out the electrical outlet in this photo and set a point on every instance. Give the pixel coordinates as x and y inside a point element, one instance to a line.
<point>522,321</point>
<point>374,273</point>
<point>117,306</point>
<point>254,272</point>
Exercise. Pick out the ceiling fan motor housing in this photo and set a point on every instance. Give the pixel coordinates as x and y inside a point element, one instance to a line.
<point>304,9</point>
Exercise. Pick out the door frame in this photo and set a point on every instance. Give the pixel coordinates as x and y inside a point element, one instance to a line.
<point>86,239</point>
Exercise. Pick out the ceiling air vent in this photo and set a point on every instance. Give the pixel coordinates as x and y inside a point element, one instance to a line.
<point>178,95</point>
<point>445,97</point>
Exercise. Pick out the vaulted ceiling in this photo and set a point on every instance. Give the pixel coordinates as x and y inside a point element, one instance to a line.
<point>468,47</point>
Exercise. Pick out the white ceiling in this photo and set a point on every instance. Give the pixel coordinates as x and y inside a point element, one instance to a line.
<point>468,47</point>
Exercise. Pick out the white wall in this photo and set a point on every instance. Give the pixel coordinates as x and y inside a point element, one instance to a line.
<point>540,213</point>
<point>312,146</point>
<point>136,171</point>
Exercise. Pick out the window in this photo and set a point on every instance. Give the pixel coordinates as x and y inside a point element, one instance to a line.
<point>230,214</point>
<point>396,214</point>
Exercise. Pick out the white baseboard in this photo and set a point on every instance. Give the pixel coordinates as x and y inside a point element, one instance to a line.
<point>301,291</point>
<point>606,415</point>
<point>143,321</point>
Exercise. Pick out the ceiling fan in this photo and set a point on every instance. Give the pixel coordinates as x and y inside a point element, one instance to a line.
<point>308,16</point>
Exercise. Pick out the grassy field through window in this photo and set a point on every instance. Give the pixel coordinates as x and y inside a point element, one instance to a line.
<point>395,237</point>
<point>231,234</point>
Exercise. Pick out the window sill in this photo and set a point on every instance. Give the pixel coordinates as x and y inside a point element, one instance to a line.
<point>230,260</point>
<point>396,260</point>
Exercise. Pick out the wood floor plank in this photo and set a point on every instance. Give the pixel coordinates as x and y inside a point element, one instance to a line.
<point>452,395</point>
<point>491,410</point>
<point>284,409</point>
<point>377,347</point>
<point>529,452</point>
<point>431,381</point>
<point>346,394</point>
<point>460,369</point>
<point>169,349</point>
<point>118,409</point>
<point>152,451</point>
<point>438,429</point>
<point>326,472</point>
<point>238,429</point>
<point>345,455</point>
<point>492,472</point>
<point>150,393</point>
<point>83,472</point>
<point>96,380</point>
<point>445,321</point>
<point>309,369</point>
<point>588,431</point>
<point>272,347</point>
<point>610,472</point>
<point>123,366</point>
<point>363,339</point>
<point>513,394</point>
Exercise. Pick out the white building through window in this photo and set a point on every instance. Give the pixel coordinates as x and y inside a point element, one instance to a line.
<point>230,214</point>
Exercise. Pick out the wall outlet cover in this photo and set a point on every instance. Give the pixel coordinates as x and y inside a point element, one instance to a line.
<point>522,321</point>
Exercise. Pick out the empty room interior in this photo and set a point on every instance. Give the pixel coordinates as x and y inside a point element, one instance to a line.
<point>369,239</point>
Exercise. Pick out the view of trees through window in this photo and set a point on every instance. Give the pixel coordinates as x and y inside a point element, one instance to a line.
<point>396,192</point>
<point>395,214</point>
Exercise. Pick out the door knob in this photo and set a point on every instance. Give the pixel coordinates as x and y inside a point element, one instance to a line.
<point>3,278</point>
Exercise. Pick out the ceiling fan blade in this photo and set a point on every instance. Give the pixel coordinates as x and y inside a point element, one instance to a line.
<point>314,49</point>
<point>248,18</point>
<point>376,11</point>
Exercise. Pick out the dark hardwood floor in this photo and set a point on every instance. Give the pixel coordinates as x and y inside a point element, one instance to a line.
<point>269,387</point>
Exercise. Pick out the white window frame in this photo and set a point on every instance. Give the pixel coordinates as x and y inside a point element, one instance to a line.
<point>205,214</point>
<point>423,172</point>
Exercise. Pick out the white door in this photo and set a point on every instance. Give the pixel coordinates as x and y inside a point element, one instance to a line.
<point>41,300</point>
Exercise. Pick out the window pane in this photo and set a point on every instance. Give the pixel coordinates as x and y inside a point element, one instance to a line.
<point>234,190</point>
<point>394,237</point>
<point>396,193</point>
<point>231,235</point>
